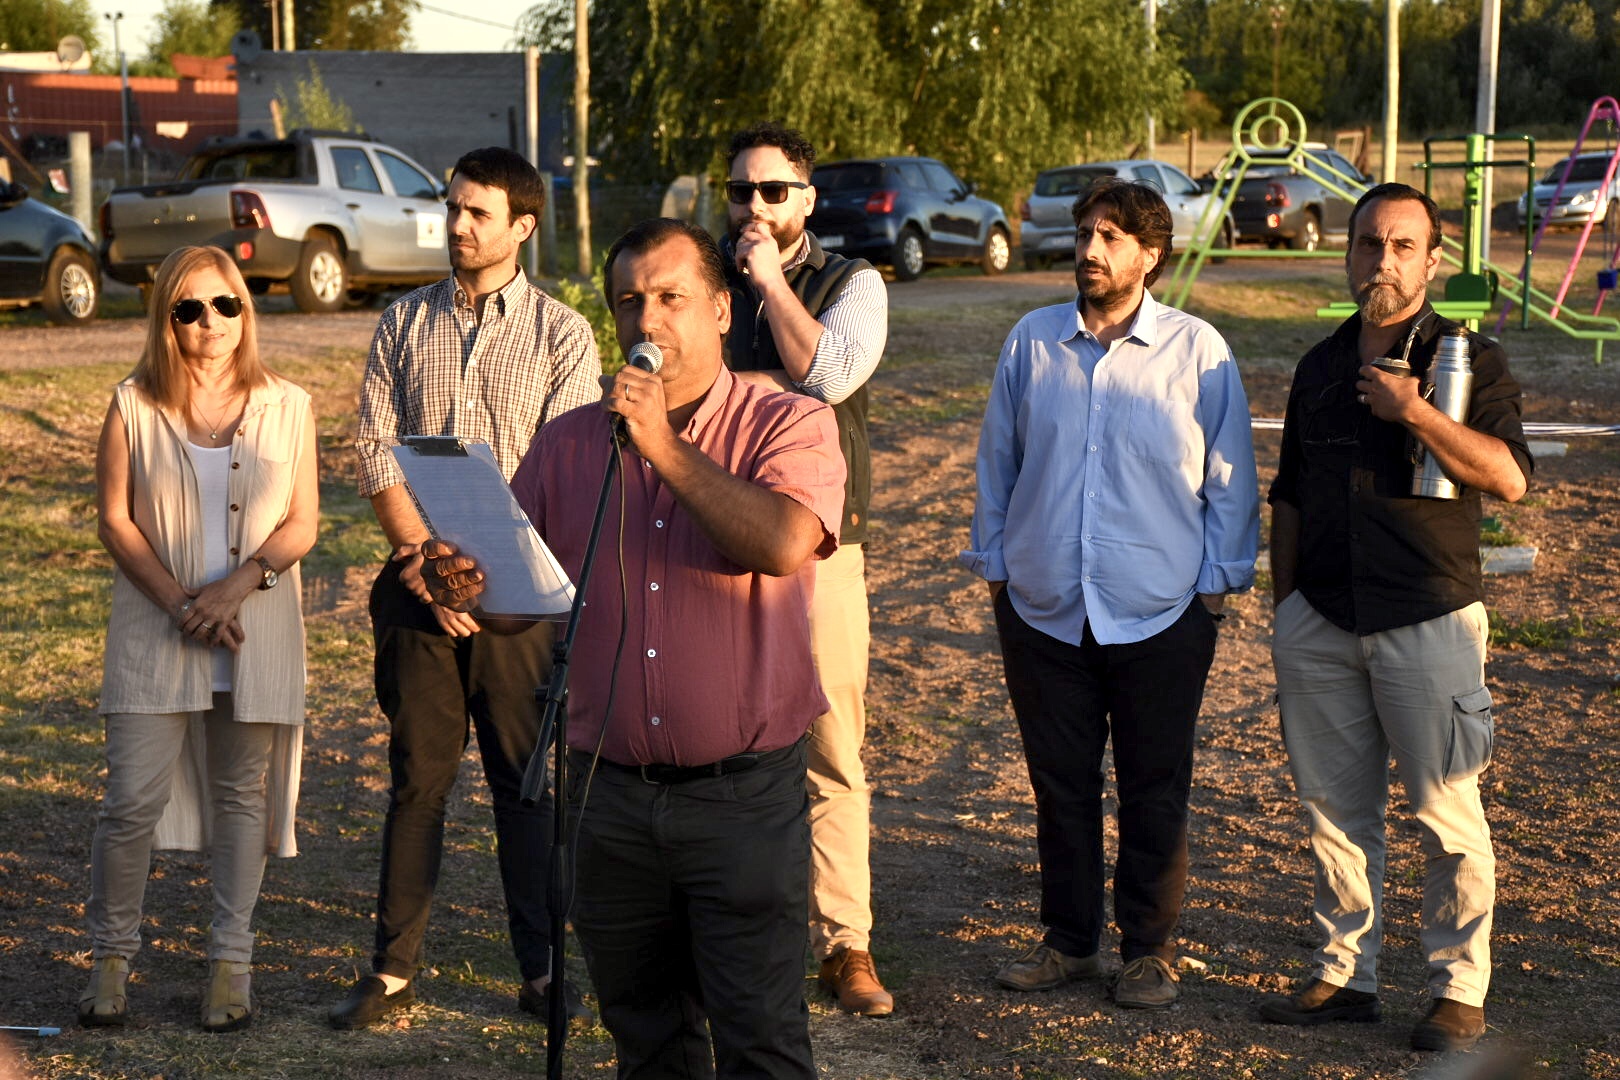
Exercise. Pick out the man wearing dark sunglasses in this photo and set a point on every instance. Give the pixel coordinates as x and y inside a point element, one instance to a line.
<point>483,355</point>
<point>812,322</point>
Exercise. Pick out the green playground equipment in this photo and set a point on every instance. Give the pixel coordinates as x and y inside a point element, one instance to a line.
<point>1272,125</point>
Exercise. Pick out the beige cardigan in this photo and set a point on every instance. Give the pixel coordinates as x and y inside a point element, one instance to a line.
<point>149,666</point>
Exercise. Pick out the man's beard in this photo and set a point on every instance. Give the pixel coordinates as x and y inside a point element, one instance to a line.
<point>787,236</point>
<point>1381,299</point>
<point>1105,293</point>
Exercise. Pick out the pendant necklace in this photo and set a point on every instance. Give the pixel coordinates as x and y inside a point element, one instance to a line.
<point>213,429</point>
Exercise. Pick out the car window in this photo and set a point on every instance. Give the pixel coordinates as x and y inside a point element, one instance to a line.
<point>940,178</point>
<point>1062,182</point>
<point>911,174</point>
<point>1175,178</point>
<point>354,172</point>
<point>409,181</point>
<point>1147,174</point>
<point>1587,169</point>
<point>853,177</point>
<point>269,163</point>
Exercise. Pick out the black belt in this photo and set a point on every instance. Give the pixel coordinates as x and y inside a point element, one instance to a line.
<point>680,774</point>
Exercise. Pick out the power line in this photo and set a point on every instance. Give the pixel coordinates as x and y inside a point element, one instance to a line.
<point>469,18</point>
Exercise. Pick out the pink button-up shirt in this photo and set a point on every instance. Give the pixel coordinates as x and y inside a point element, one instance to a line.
<point>716,657</point>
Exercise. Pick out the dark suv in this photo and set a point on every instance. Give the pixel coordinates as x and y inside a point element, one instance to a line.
<point>907,212</point>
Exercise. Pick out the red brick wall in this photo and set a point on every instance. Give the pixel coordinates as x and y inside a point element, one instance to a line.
<point>33,103</point>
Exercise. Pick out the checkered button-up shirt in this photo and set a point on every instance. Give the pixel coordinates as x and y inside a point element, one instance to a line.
<point>434,369</point>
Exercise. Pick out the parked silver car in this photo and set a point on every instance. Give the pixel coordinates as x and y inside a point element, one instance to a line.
<point>1585,196</point>
<point>1048,230</point>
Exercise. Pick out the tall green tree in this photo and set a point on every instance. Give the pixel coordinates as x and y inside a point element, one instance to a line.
<point>190,27</point>
<point>997,89</point>
<point>361,25</point>
<point>37,25</point>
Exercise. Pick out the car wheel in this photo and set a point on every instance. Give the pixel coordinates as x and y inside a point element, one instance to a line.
<point>997,252</point>
<point>1309,236</point>
<point>321,282</point>
<point>1037,262</point>
<point>908,255</point>
<point>1225,240</point>
<point>71,289</point>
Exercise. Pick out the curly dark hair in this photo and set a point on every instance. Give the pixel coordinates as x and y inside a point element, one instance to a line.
<point>1139,209</point>
<point>800,154</point>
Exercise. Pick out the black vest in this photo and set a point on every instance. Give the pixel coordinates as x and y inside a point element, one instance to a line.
<point>750,346</point>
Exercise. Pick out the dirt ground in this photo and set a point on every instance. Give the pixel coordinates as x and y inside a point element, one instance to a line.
<point>954,864</point>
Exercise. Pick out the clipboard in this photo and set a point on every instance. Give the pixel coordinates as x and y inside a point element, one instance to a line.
<point>462,496</point>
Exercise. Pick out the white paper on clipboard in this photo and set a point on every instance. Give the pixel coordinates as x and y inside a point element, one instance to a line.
<point>464,499</point>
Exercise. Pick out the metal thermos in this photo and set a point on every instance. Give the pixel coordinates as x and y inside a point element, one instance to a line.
<point>1449,386</point>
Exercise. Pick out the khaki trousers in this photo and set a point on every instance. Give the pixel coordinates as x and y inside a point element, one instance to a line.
<point>840,803</point>
<point>1350,703</point>
<point>142,753</point>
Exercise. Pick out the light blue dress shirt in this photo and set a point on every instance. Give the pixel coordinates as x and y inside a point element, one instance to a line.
<point>1115,484</point>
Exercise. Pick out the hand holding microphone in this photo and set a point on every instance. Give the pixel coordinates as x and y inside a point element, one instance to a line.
<point>636,393</point>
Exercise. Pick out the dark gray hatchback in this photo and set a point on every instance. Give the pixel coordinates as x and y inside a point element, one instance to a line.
<point>907,212</point>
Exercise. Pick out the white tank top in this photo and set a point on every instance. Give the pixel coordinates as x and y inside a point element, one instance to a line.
<point>213,465</point>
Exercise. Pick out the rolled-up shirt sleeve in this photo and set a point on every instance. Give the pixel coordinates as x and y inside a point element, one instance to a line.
<point>381,410</point>
<point>1231,488</point>
<point>855,328</point>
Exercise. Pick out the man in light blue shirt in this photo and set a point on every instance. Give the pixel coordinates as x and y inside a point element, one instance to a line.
<point>1117,506</point>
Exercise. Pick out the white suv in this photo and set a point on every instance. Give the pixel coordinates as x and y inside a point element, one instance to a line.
<point>1585,196</point>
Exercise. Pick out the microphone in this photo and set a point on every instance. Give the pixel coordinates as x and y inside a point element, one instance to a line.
<point>649,358</point>
<point>646,356</point>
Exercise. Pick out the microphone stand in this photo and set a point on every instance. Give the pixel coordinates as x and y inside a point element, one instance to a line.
<point>554,732</point>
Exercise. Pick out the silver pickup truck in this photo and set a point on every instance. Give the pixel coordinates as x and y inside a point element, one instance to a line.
<point>333,217</point>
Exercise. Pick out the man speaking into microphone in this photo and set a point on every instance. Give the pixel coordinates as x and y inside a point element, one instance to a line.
<point>693,854</point>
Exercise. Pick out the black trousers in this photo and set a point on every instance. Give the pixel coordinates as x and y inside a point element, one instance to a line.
<point>691,907</point>
<point>1069,701</point>
<point>429,685</point>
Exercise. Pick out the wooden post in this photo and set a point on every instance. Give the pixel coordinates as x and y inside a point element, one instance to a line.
<point>582,140</point>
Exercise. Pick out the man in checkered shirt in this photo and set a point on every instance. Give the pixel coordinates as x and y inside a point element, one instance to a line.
<point>481,355</point>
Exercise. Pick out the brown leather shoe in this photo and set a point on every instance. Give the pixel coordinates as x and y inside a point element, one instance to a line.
<point>849,976</point>
<point>1321,1003</point>
<point>1450,1025</point>
<point>1145,983</point>
<point>1044,968</point>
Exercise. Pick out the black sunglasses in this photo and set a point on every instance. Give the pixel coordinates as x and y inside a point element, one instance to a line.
<point>741,192</point>
<point>186,312</point>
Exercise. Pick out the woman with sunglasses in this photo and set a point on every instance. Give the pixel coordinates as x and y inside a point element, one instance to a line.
<point>206,488</point>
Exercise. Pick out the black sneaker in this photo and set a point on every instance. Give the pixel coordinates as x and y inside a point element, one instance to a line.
<point>1450,1025</point>
<point>1321,1003</point>
<point>538,1003</point>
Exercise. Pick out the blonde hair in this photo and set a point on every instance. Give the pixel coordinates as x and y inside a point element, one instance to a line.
<point>161,370</point>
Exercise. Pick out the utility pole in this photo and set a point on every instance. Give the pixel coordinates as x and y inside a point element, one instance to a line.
<point>123,84</point>
<point>1153,43</point>
<point>289,39</point>
<point>1392,89</point>
<point>1490,37</point>
<point>582,140</point>
<point>1277,13</point>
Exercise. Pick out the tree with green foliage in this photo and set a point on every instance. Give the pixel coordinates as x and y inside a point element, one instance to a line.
<point>360,25</point>
<point>997,90</point>
<point>37,25</point>
<point>190,27</point>
<point>311,105</point>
